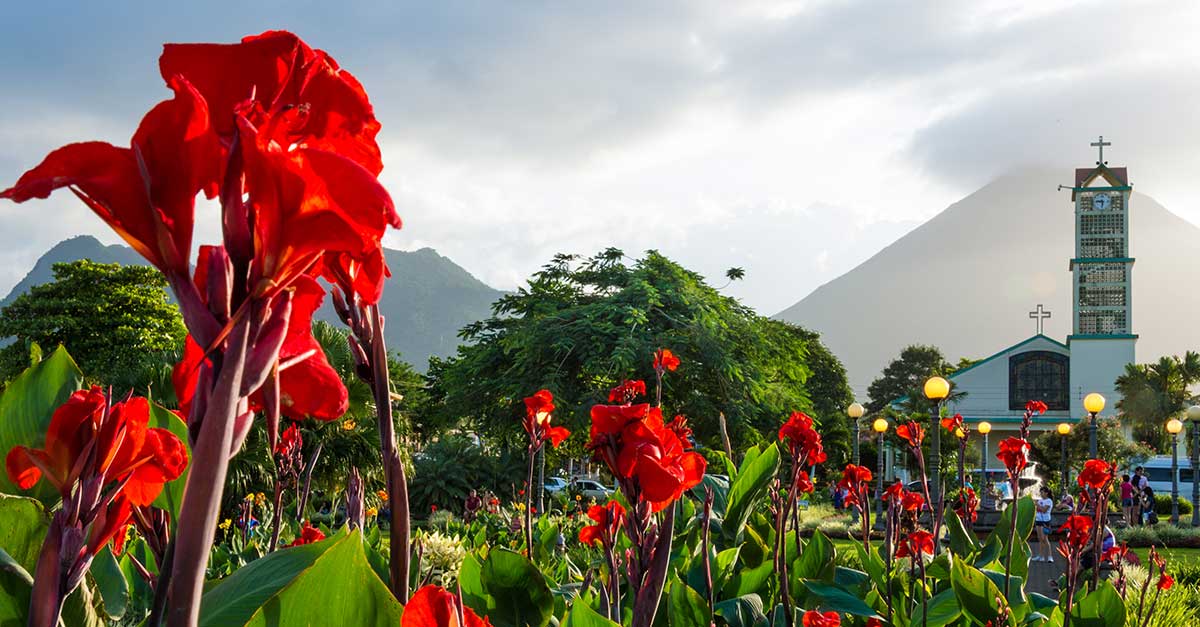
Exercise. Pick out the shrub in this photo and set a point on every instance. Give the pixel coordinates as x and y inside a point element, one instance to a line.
<point>1162,505</point>
<point>1160,535</point>
<point>1175,607</point>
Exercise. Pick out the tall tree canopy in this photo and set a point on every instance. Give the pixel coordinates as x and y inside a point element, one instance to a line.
<point>115,320</point>
<point>1153,393</point>
<point>906,375</point>
<point>582,325</point>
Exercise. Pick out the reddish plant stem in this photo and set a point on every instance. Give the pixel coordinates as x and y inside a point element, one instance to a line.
<point>647,598</point>
<point>202,497</point>
<point>708,502</point>
<point>397,483</point>
<point>277,515</point>
<point>781,564</point>
<point>529,503</point>
<point>307,489</point>
<point>1012,533</point>
<point>46,599</point>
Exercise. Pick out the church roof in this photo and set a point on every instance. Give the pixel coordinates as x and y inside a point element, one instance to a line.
<point>1117,177</point>
<point>993,356</point>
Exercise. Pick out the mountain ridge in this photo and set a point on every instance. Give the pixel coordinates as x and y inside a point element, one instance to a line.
<point>427,300</point>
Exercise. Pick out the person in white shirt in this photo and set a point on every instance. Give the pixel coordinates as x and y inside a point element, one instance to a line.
<point>1041,522</point>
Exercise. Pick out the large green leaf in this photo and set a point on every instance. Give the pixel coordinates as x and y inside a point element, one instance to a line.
<point>977,595</point>
<point>172,495</point>
<point>747,580</point>
<point>962,542</point>
<point>750,486</point>
<point>23,525</point>
<point>111,584</point>
<point>941,610</point>
<point>743,611</point>
<point>324,583</point>
<point>817,561</point>
<point>583,616</point>
<point>839,600</point>
<point>516,591</point>
<point>1101,608</point>
<point>26,407</point>
<point>685,606</point>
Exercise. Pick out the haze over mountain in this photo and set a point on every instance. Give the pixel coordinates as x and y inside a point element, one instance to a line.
<point>428,299</point>
<point>966,279</point>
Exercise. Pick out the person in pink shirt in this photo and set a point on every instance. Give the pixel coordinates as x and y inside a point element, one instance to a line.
<point>1127,499</point>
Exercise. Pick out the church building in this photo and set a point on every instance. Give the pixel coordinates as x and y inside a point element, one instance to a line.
<point>1102,341</point>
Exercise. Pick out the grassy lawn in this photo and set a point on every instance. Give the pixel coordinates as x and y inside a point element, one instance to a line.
<point>1175,557</point>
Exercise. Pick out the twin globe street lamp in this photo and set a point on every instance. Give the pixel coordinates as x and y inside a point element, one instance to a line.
<point>984,429</point>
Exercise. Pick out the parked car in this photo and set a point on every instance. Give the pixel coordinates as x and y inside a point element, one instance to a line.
<point>554,485</point>
<point>592,489</point>
<point>1158,472</point>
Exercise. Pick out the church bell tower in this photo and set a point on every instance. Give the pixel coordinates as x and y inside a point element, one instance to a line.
<point>1102,339</point>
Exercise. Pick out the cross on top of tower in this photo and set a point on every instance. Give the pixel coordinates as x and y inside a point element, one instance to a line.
<point>1101,144</point>
<point>1040,315</point>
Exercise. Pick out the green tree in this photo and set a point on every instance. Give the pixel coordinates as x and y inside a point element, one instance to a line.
<point>1153,393</point>
<point>906,375</point>
<point>581,325</point>
<point>116,320</point>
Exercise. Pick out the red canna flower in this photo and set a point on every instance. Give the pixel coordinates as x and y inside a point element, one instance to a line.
<point>308,535</point>
<point>1165,581</point>
<point>1035,407</point>
<point>1014,453</point>
<point>433,606</point>
<point>814,618</point>
<point>894,492</point>
<point>309,387</point>
<point>538,409</point>
<point>1096,473</point>
<point>912,433</point>
<point>290,442</point>
<point>146,192</point>
<point>433,508</point>
<point>610,420</point>
<point>874,622</point>
<point>916,543</point>
<point>1077,531</point>
<point>802,439</point>
<point>608,519</point>
<point>856,475</point>
<point>1120,552</point>
<point>118,440</point>
<point>967,505</point>
<point>664,359</point>
<point>627,391</point>
<point>912,501</point>
<point>953,423</point>
<point>803,483</point>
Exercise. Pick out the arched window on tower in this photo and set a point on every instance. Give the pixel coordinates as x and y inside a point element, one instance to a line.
<point>1039,376</point>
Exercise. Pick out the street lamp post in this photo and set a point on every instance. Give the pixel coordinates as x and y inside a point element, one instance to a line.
<point>936,390</point>
<point>855,411</point>
<point>1193,414</point>
<point>1174,427</point>
<point>984,429</point>
<point>880,426</point>
<point>1094,404</point>
<point>1064,429</point>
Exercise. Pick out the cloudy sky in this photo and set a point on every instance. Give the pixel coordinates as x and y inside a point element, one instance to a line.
<point>792,138</point>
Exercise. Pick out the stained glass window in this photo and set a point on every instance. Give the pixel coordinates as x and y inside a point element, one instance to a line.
<point>1039,376</point>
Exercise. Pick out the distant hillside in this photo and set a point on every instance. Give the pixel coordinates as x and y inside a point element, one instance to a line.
<point>428,299</point>
<point>965,280</point>
<point>79,247</point>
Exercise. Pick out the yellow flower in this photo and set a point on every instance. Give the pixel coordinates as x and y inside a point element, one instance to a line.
<point>349,424</point>
<point>260,498</point>
<point>249,497</point>
<point>382,494</point>
<point>225,524</point>
<point>372,512</point>
<point>578,497</point>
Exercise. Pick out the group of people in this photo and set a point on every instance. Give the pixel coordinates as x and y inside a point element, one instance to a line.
<point>1137,498</point>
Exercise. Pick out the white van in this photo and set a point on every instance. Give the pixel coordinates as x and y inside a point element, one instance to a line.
<point>1158,472</point>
